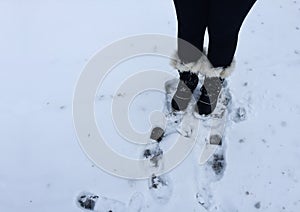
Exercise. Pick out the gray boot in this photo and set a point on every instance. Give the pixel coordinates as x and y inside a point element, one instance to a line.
<point>186,86</point>
<point>208,99</point>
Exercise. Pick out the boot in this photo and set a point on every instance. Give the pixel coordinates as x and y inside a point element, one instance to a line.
<point>188,82</point>
<point>185,88</point>
<point>208,99</point>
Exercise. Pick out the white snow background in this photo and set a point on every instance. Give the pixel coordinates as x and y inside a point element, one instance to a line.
<point>44,46</point>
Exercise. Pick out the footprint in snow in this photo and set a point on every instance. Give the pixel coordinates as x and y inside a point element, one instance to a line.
<point>91,202</point>
<point>160,188</point>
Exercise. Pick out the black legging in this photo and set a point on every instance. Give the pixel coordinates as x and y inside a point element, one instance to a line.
<point>222,18</point>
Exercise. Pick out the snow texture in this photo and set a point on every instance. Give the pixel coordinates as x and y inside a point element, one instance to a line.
<point>45,46</point>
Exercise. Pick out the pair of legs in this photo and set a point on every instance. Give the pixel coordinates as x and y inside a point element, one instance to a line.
<point>222,18</point>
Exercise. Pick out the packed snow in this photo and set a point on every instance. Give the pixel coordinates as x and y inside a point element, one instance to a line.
<point>46,44</point>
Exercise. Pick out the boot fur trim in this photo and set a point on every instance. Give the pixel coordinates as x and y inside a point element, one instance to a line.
<point>203,67</point>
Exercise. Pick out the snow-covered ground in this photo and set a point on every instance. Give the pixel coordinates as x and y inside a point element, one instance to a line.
<point>44,48</point>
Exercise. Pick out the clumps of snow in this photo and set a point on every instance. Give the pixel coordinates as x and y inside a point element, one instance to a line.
<point>203,200</point>
<point>217,163</point>
<point>257,205</point>
<point>92,202</point>
<point>239,115</point>
<point>153,153</point>
<point>186,127</point>
<point>87,200</point>
<point>160,188</point>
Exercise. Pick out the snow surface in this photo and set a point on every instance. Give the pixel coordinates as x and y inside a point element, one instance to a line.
<point>45,46</point>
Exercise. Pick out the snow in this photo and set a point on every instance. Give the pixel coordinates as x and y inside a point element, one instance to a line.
<point>44,48</point>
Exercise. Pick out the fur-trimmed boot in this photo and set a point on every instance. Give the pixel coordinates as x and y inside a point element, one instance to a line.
<point>210,90</point>
<point>188,81</point>
<point>208,99</point>
<point>212,86</point>
<point>188,73</point>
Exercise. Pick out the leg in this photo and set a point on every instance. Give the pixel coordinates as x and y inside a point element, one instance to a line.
<point>192,21</point>
<point>192,16</point>
<point>225,21</point>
